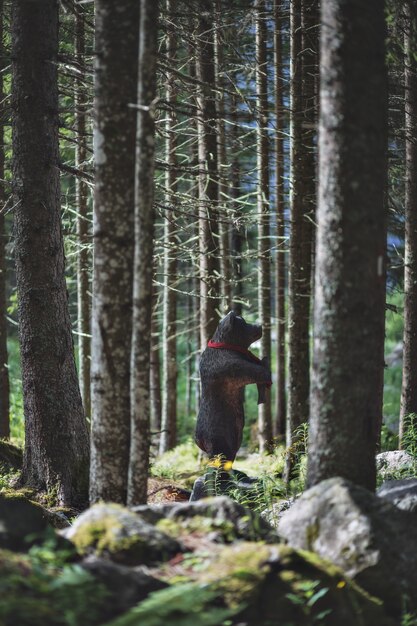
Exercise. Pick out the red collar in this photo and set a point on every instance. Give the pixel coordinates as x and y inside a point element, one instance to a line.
<point>232,346</point>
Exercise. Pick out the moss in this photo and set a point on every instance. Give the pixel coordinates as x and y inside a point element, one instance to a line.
<point>107,536</point>
<point>18,494</point>
<point>198,524</point>
<point>239,572</point>
<point>100,535</point>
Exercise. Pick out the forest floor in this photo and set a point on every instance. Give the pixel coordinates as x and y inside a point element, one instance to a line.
<point>162,490</point>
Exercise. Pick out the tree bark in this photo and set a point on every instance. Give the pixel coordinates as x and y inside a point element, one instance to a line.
<point>280,275</point>
<point>208,176</point>
<point>409,380</point>
<point>236,236</point>
<point>169,363</point>
<point>83,230</point>
<point>264,243</point>
<point>351,248</point>
<point>117,27</point>
<point>224,239</point>
<point>299,274</point>
<point>56,446</point>
<point>144,232</point>
<point>4,371</point>
<point>155,370</point>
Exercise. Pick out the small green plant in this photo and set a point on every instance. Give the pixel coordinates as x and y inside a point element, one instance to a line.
<point>308,594</point>
<point>389,440</point>
<point>409,438</point>
<point>409,619</point>
<point>42,588</point>
<point>261,495</point>
<point>186,604</point>
<point>298,451</point>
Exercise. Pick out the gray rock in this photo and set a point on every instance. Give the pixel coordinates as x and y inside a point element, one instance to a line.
<point>367,537</point>
<point>229,517</point>
<point>199,489</point>
<point>395,464</point>
<point>126,586</point>
<point>274,513</point>
<point>114,532</point>
<point>401,493</point>
<point>150,513</point>
<point>22,523</point>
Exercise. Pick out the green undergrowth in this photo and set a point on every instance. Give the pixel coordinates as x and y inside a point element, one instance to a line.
<point>180,464</point>
<point>43,588</point>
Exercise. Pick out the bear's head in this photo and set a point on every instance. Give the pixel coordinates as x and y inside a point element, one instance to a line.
<point>234,330</point>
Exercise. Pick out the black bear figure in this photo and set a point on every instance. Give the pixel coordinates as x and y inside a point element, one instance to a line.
<point>226,366</point>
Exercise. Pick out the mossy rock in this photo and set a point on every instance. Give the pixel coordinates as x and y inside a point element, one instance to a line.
<point>261,585</point>
<point>223,518</point>
<point>298,586</point>
<point>114,532</point>
<point>11,457</point>
<point>371,540</point>
<point>22,523</point>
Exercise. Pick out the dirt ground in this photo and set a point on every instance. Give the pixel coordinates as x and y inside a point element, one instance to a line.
<point>163,490</point>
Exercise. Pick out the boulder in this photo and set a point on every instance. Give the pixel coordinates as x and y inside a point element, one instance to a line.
<point>371,540</point>
<point>22,522</point>
<point>125,586</point>
<point>223,518</point>
<point>395,464</point>
<point>11,457</point>
<point>113,531</point>
<point>401,493</point>
<point>259,585</point>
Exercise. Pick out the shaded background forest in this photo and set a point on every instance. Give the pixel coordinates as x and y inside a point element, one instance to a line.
<point>230,70</point>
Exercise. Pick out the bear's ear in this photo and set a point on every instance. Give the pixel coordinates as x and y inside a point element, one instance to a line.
<point>228,321</point>
<point>230,317</point>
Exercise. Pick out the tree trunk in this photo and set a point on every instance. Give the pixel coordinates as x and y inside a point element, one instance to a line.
<point>155,370</point>
<point>56,447</point>
<point>208,177</point>
<point>281,402</point>
<point>236,236</point>
<point>169,369</point>
<point>409,381</point>
<point>114,138</point>
<point>351,247</point>
<point>4,372</point>
<point>264,244</point>
<point>299,265</point>
<point>224,239</point>
<point>144,231</point>
<point>83,234</point>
